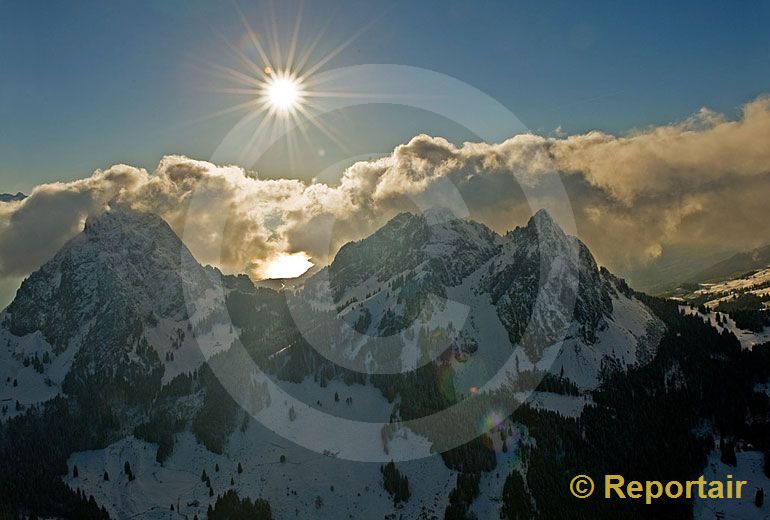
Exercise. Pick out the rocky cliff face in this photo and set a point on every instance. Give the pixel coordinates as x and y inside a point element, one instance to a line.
<point>95,300</point>
<point>416,255</point>
<point>129,330</point>
<point>121,299</point>
<point>550,282</point>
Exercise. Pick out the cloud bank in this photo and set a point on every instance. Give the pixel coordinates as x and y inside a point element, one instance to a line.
<point>702,181</point>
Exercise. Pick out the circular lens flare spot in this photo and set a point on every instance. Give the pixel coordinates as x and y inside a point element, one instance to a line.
<point>492,420</point>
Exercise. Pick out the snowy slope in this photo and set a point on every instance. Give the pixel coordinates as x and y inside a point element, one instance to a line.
<point>488,503</point>
<point>480,306</point>
<point>746,295</point>
<point>757,282</point>
<point>628,336</point>
<point>306,485</point>
<point>126,283</point>
<point>30,371</point>
<point>747,338</point>
<point>346,489</point>
<point>750,469</point>
<point>125,305</point>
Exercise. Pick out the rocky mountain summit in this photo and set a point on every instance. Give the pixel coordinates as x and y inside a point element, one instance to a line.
<point>123,328</point>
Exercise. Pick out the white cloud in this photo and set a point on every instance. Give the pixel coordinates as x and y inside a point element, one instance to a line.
<point>705,180</point>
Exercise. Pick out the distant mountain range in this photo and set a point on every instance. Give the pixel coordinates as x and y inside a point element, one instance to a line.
<point>676,264</point>
<point>734,266</point>
<point>7,197</point>
<point>734,294</point>
<point>686,266</point>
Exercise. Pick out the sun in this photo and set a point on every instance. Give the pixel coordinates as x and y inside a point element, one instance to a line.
<point>284,88</point>
<point>283,94</point>
<point>286,265</point>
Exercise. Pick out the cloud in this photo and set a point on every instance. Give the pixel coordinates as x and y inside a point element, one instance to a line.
<point>33,229</point>
<point>701,181</point>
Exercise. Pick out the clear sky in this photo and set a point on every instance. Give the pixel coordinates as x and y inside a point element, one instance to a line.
<point>87,84</point>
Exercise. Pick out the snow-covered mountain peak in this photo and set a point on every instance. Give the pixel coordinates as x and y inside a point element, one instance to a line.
<point>541,227</point>
<point>121,219</point>
<point>435,242</point>
<point>121,255</point>
<point>439,214</point>
<point>543,285</point>
<point>542,218</point>
<point>109,305</point>
<point>549,279</point>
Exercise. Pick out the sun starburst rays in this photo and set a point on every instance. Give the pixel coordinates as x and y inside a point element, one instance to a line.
<point>288,92</point>
<point>283,86</point>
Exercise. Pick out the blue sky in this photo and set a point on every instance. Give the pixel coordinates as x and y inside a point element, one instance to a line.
<point>87,84</point>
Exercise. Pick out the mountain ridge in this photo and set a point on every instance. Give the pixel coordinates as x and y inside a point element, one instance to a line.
<point>735,265</point>
<point>124,308</point>
<point>128,270</point>
<point>9,197</point>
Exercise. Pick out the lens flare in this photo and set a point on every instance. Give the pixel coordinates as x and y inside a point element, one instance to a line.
<point>283,81</point>
<point>492,420</point>
<point>283,94</point>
